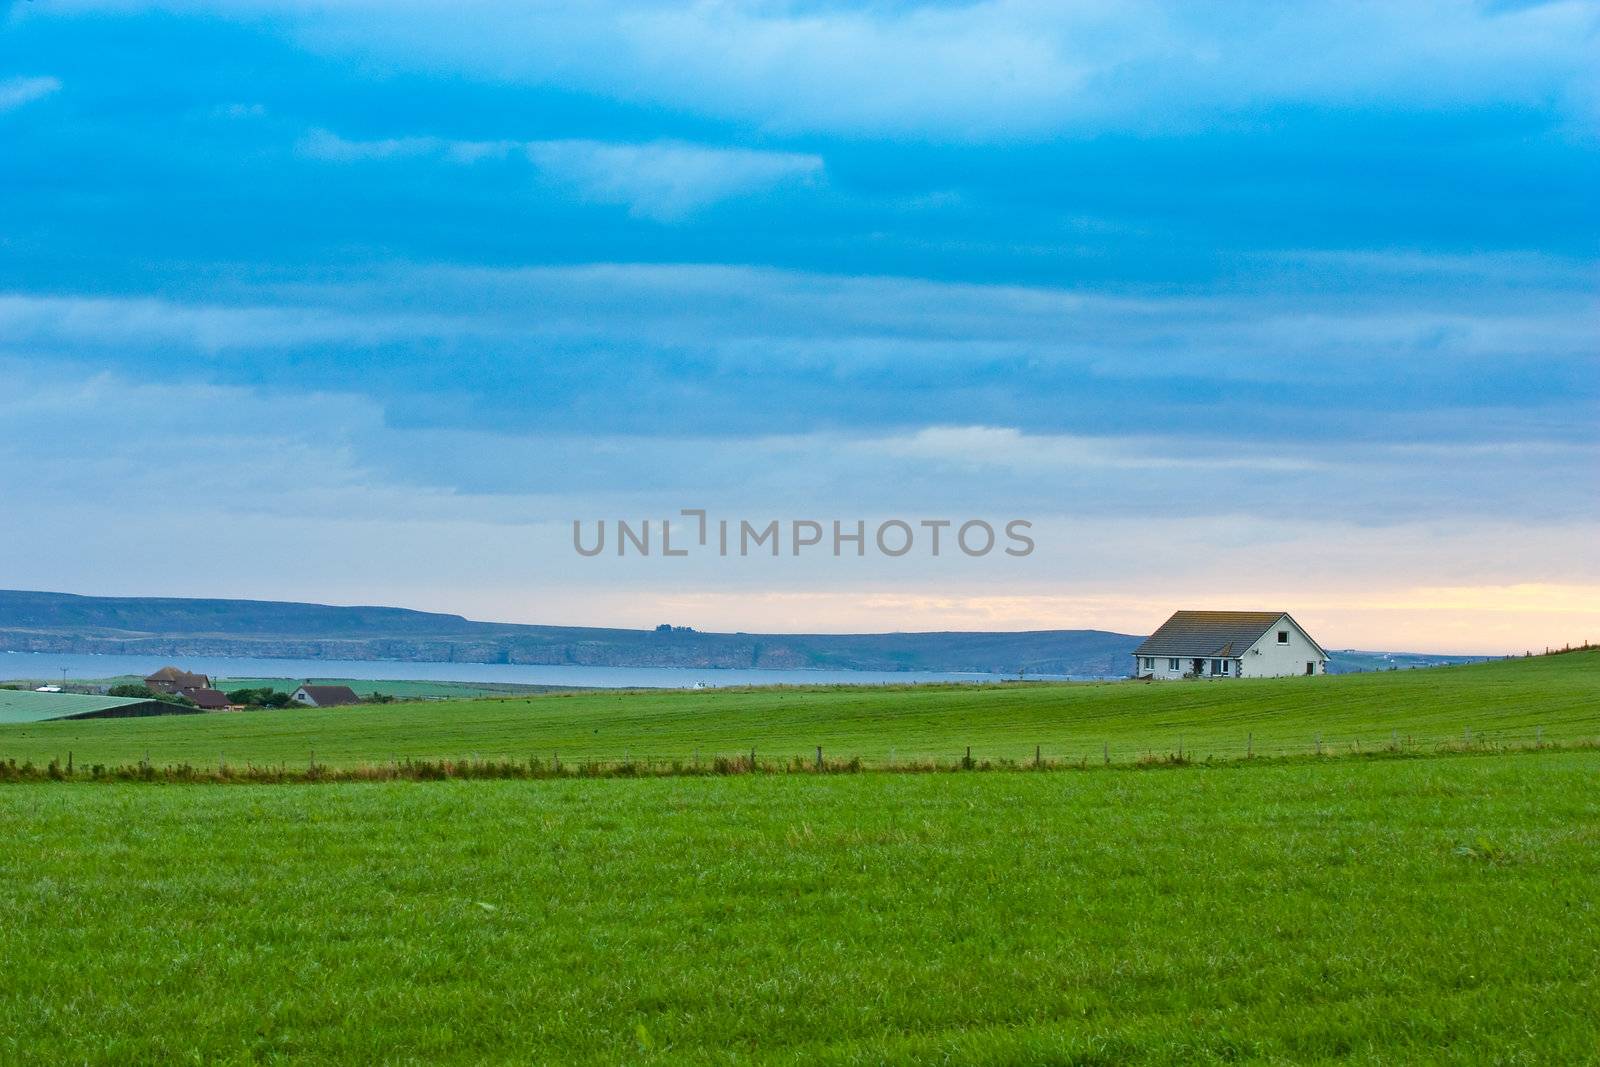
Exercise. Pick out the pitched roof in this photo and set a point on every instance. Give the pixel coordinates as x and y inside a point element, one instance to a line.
<point>331,695</point>
<point>182,679</point>
<point>1209,633</point>
<point>210,699</point>
<point>27,706</point>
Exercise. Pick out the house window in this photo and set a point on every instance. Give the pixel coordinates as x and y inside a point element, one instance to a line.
<point>1283,637</point>
<point>1216,667</point>
<point>1149,663</point>
<point>1172,664</point>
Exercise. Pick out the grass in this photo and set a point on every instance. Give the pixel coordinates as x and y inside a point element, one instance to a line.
<point>1438,910</point>
<point>1555,699</point>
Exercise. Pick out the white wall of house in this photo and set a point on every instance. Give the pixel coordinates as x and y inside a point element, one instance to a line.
<point>1283,650</point>
<point>1269,657</point>
<point>1164,668</point>
<point>300,696</point>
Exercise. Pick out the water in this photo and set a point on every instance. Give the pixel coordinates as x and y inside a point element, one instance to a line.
<point>48,667</point>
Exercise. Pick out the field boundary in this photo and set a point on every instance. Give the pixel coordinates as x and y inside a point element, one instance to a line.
<point>540,769</point>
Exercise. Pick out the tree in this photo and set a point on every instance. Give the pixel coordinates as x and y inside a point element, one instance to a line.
<point>265,697</point>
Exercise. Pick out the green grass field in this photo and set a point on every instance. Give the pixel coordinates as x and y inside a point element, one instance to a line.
<point>1431,910</point>
<point>1556,698</point>
<point>1437,909</point>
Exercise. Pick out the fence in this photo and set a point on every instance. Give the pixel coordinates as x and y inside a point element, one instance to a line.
<point>818,762</point>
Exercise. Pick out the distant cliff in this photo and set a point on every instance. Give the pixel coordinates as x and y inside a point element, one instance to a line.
<point>174,628</point>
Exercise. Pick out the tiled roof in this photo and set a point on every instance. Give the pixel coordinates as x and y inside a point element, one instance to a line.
<point>174,678</point>
<point>331,695</point>
<point>1208,633</point>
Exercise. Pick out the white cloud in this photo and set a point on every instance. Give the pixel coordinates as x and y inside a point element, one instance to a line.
<point>15,92</point>
<point>978,447</point>
<point>989,70</point>
<point>666,180</point>
<point>660,180</point>
<point>331,148</point>
<point>750,321</point>
<point>66,321</point>
<point>240,111</point>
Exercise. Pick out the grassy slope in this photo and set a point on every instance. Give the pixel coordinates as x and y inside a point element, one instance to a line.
<point>1381,912</point>
<point>1497,701</point>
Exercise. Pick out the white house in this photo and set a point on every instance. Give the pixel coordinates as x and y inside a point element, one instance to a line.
<point>325,696</point>
<point>1229,644</point>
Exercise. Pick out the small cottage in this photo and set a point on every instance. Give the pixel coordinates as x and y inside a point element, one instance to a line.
<point>1229,644</point>
<point>325,696</point>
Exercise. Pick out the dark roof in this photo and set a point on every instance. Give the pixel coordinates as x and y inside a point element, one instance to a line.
<point>209,699</point>
<point>331,695</point>
<point>182,679</point>
<point>1209,633</point>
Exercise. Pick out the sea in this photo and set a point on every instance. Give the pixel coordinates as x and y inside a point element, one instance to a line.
<point>47,667</point>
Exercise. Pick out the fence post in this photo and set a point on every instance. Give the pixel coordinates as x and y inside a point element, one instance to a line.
<point>1036,760</point>
<point>1250,745</point>
<point>1319,744</point>
<point>819,757</point>
<point>752,758</point>
<point>1538,737</point>
<point>1105,750</point>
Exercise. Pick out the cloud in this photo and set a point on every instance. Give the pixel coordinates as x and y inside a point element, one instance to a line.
<point>291,491</point>
<point>15,92</point>
<point>660,180</point>
<point>331,148</point>
<point>988,447</point>
<point>992,70</point>
<point>240,111</point>
<point>63,322</point>
<point>667,180</point>
<point>779,351</point>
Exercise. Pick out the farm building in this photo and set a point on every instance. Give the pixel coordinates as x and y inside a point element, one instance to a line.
<point>18,706</point>
<point>207,699</point>
<point>325,696</point>
<point>1229,644</point>
<point>175,680</point>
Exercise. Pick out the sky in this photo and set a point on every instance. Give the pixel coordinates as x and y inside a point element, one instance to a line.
<point>1249,305</point>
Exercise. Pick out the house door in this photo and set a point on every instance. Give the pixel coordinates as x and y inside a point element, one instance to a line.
<point>1198,667</point>
<point>1311,668</point>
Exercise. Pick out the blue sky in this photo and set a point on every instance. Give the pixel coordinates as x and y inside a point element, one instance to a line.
<point>1242,305</point>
